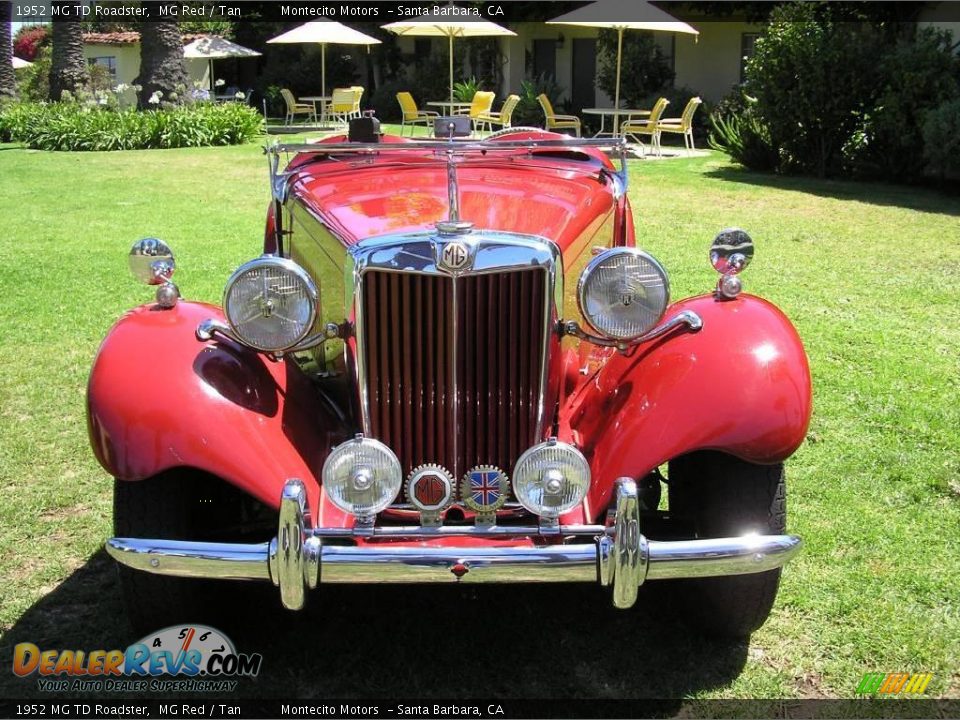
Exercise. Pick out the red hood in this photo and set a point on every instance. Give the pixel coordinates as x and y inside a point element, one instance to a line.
<point>548,196</point>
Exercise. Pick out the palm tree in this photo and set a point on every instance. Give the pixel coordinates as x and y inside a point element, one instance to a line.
<point>8,83</point>
<point>68,66</point>
<point>161,60</point>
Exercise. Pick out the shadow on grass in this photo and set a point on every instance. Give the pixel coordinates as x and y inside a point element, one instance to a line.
<point>919,198</point>
<point>413,641</point>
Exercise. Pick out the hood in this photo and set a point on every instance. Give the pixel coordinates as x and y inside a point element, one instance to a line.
<point>555,197</point>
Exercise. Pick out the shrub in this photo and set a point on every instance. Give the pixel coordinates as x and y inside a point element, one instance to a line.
<point>33,84</point>
<point>917,75</point>
<point>29,39</point>
<point>384,103</point>
<point>80,126</point>
<point>644,67</point>
<point>941,139</point>
<point>745,138</point>
<point>813,76</point>
<point>464,91</point>
<point>528,111</point>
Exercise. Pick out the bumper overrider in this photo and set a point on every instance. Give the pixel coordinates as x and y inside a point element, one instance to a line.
<point>298,558</point>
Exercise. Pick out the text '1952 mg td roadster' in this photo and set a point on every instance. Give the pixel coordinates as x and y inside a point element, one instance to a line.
<point>453,362</point>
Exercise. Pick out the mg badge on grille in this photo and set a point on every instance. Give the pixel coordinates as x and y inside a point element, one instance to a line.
<point>430,490</point>
<point>484,490</point>
<point>454,256</point>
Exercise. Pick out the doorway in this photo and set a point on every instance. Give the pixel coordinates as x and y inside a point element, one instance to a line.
<point>583,93</point>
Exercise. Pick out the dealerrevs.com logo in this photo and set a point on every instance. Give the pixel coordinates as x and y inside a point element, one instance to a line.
<point>186,658</point>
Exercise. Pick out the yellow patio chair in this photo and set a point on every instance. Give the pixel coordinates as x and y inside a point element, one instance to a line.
<point>294,108</point>
<point>558,122</point>
<point>683,124</point>
<point>482,103</point>
<point>646,126</point>
<point>412,115</point>
<point>501,118</point>
<point>343,104</point>
<point>358,94</point>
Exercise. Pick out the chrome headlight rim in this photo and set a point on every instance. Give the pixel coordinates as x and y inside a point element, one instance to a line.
<point>394,476</point>
<point>544,511</point>
<point>287,265</point>
<point>595,264</point>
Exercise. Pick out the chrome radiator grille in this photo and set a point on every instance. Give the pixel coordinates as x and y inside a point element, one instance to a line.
<point>454,367</point>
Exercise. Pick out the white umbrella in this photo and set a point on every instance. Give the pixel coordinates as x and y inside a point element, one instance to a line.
<point>620,16</point>
<point>448,29</point>
<point>323,33</point>
<point>18,63</point>
<point>214,47</point>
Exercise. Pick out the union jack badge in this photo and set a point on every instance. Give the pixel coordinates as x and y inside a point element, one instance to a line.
<point>430,489</point>
<point>484,489</point>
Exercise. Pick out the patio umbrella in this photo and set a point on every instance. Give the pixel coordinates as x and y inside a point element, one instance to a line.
<point>214,47</point>
<point>323,33</point>
<point>620,16</point>
<point>18,63</point>
<point>448,29</point>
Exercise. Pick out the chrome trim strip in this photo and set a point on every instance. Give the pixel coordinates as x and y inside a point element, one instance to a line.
<point>221,561</point>
<point>687,318</point>
<point>550,563</point>
<point>297,559</point>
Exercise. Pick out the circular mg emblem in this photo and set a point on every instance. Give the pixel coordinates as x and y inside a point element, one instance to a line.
<point>454,256</point>
<point>430,488</point>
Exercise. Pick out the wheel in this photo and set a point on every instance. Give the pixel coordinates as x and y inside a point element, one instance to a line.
<point>722,496</point>
<point>182,504</point>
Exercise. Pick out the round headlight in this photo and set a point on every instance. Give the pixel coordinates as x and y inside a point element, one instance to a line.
<point>551,478</point>
<point>623,293</point>
<point>271,303</point>
<point>362,476</point>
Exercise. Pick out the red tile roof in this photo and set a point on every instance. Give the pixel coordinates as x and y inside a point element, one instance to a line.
<point>127,38</point>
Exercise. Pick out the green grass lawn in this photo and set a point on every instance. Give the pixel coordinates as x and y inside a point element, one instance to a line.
<point>869,273</point>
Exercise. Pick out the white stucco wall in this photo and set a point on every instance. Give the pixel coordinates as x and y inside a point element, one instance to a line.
<point>128,62</point>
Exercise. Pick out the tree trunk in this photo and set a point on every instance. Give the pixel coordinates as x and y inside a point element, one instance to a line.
<point>68,66</point>
<point>161,61</point>
<point>8,83</point>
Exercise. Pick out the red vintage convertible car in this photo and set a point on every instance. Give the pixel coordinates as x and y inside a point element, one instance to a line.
<point>453,362</point>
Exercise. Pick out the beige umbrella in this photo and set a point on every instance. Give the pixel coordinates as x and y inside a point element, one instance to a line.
<point>19,64</point>
<point>214,47</point>
<point>620,16</point>
<point>448,29</point>
<point>323,33</point>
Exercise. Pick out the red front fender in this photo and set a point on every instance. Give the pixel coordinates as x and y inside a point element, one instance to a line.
<point>740,385</point>
<point>158,398</point>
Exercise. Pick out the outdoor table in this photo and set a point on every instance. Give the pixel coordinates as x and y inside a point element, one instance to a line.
<point>452,107</point>
<point>624,113</point>
<point>314,99</point>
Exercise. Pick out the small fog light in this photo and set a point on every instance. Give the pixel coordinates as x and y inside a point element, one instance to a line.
<point>551,478</point>
<point>362,477</point>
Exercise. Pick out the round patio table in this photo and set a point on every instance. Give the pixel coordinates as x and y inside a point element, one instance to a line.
<point>451,107</point>
<point>604,113</point>
<point>323,100</point>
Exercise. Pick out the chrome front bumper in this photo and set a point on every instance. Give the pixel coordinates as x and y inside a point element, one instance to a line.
<point>298,559</point>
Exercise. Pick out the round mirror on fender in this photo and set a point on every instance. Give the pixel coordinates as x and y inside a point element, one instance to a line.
<point>151,261</point>
<point>731,252</point>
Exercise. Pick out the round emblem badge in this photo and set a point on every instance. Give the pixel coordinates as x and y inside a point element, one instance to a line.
<point>454,256</point>
<point>484,489</point>
<point>430,488</point>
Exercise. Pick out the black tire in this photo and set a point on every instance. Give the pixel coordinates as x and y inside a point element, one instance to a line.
<point>723,496</point>
<point>182,504</point>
